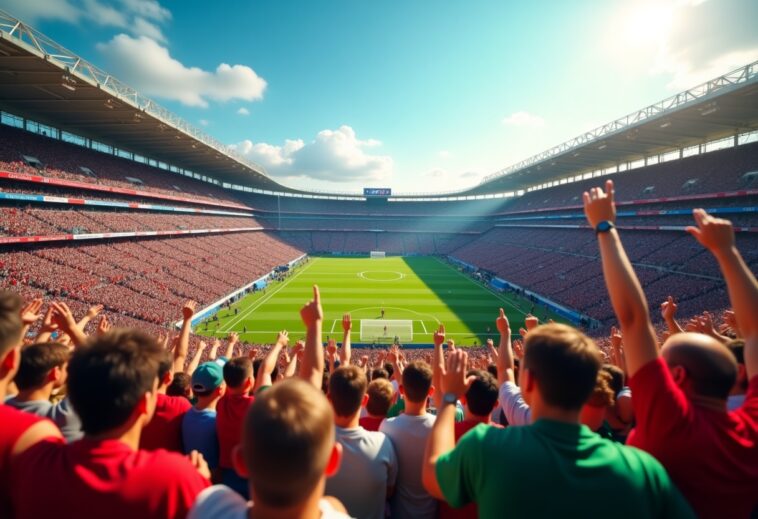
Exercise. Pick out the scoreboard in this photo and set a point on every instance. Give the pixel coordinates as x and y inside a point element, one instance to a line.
<point>377,191</point>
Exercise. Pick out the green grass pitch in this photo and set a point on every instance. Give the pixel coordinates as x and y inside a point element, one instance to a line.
<point>424,290</point>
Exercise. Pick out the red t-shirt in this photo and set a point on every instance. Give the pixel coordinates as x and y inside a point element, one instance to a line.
<point>14,425</point>
<point>165,429</point>
<point>711,455</point>
<point>371,423</point>
<point>102,478</point>
<point>230,414</point>
<point>470,511</point>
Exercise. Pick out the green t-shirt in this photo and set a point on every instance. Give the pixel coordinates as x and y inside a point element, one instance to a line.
<point>555,469</point>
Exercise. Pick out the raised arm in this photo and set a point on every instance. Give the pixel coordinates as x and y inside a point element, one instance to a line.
<point>30,315</point>
<point>195,362</point>
<point>292,360</point>
<point>312,367</point>
<point>717,235</point>
<point>92,312</point>
<point>65,321</point>
<point>182,345</point>
<point>269,361</point>
<point>624,288</point>
<point>213,354</point>
<point>345,352</point>
<point>668,312</point>
<point>48,326</point>
<point>442,438</point>
<point>506,369</point>
<point>231,342</point>
<point>438,365</point>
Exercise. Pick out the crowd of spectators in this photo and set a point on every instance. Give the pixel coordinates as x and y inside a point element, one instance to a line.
<point>136,422</point>
<point>36,221</point>
<point>58,159</point>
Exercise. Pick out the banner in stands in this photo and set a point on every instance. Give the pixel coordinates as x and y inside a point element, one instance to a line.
<point>4,240</point>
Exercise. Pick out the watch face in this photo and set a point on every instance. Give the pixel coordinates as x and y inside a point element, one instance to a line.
<point>603,226</point>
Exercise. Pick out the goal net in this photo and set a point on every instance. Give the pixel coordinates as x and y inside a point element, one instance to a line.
<point>378,254</point>
<point>384,329</point>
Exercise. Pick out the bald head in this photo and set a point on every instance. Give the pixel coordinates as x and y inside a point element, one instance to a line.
<point>709,364</point>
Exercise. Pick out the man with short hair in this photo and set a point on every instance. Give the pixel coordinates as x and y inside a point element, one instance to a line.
<point>165,429</point>
<point>43,369</point>
<point>288,447</point>
<point>680,392</point>
<point>113,385</point>
<point>366,477</point>
<point>19,430</point>
<point>380,394</point>
<point>199,423</point>
<point>555,467</point>
<point>230,414</point>
<point>408,433</point>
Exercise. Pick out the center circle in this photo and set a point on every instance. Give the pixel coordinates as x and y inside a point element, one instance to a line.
<point>381,275</point>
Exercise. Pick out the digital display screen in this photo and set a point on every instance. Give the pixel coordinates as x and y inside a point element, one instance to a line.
<point>377,191</point>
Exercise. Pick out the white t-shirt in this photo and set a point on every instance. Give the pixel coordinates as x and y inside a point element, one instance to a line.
<point>517,412</point>
<point>221,502</point>
<point>408,435</point>
<point>369,465</point>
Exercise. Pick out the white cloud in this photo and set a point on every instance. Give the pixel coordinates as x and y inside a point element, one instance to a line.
<point>471,174</point>
<point>139,17</point>
<point>149,67</point>
<point>688,41</point>
<point>243,111</point>
<point>444,154</point>
<point>204,122</point>
<point>524,119</point>
<point>437,174</point>
<point>333,155</point>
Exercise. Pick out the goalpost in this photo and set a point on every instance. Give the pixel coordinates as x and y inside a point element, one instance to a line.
<point>383,329</point>
<point>378,254</point>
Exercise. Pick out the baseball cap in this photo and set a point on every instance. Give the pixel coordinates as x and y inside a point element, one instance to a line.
<point>207,377</point>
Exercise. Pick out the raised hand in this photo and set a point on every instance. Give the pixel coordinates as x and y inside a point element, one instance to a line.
<point>347,323</point>
<point>48,325</point>
<point>503,326</point>
<point>616,338</point>
<point>439,335</point>
<point>312,313</point>
<point>188,310</point>
<point>454,379</point>
<point>103,326</point>
<point>94,311</point>
<point>30,313</point>
<point>599,205</point>
<point>518,349</point>
<point>669,308</point>
<point>283,338</point>
<point>531,322</point>
<point>331,347</point>
<point>65,321</point>
<point>715,234</point>
<point>450,345</point>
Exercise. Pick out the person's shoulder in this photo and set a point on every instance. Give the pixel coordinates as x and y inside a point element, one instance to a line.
<point>166,465</point>
<point>219,502</point>
<point>177,403</point>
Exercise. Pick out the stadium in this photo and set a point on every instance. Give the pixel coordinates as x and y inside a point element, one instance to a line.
<point>109,200</point>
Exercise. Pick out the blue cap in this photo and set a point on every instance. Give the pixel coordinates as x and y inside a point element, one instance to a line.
<point>208,376</point>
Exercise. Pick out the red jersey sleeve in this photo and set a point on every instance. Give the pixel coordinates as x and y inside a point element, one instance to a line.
<point>660,407</point>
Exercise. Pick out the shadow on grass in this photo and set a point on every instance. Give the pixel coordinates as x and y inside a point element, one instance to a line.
<point>474,305</point>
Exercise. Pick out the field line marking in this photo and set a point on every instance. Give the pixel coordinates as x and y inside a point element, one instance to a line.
<point>483,288</point>
<point>334,321</point>
<point>423,326</point>
<point>258,303</point>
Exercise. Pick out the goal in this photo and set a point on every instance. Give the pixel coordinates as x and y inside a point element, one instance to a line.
<point>383,329</point>
<point>378,254</point>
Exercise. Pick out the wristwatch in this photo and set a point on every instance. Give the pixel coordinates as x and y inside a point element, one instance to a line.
<point>604,226</point>
<point>449,398</point>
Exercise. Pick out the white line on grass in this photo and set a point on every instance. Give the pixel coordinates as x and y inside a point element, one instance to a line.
<point>423,326</point>
<point>334,321</point>
<point>483,288</point>
<point>258,303</point>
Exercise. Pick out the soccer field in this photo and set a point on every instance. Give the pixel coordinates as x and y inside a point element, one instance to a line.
<point>416,293</point>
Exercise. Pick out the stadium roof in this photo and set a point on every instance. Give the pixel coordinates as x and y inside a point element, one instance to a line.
<point>722,107</point>
<point>42,81</point>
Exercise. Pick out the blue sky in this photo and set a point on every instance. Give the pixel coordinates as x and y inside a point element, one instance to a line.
<point>417,95</point>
